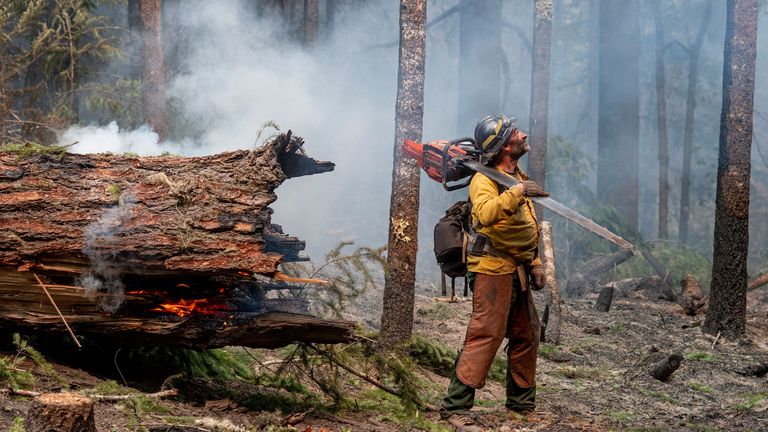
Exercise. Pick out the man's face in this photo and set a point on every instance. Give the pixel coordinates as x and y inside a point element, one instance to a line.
<point>517,144</point>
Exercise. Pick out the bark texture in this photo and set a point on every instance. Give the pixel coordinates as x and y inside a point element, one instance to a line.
<point>153,76</point>
<point>693,51</point>
<point>480,62</point>
<point>664,368</point>
<point>397,313</point>
<point>661,123</point>
<point>155,248</point>
<point>618,122</point>
<point>728,293</point>
<point>61,412</point>
<point>542,40</point>
<point>605,299</point>
<point>552,333</point>
<point>692,300</point>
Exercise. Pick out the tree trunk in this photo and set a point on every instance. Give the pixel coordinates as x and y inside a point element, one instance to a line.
<point>153,75</point>
<point>728,292</point>
<point>618,123</point>
<point>61,412</point>
<point>605,299</point>
<point>661,111</point>
<point>552,333</point>
<point>690,109</point>
<point>542,37</point>
<point>311,22</point>
<point>397,314</point>
<point>665,367</point>
<point>480,60</point>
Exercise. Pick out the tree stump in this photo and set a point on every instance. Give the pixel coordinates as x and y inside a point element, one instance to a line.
<point>604,299</point>
<point>692,301</point>
<point>664,368</point>
<point>61,412</point>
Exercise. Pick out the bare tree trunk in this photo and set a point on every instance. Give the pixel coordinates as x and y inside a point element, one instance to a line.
<point>552,332</point>
<point>311,21</point>
<point>153,76</point>
<point>728,292</point>
<point>542,37</point>
<point>619,95</point>
<point>661,104</point>
<point>480,59</point>
<point>690,109</point>
<point>397,314</point>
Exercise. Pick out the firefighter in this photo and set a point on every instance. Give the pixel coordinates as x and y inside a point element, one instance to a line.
<point>500,262</point>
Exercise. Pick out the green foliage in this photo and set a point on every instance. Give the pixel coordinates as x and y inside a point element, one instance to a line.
<point>142,404</point>
<point>47,48</point>
<point>546,350</point>
<point>750,400</point>
<point>348,276</point>
<point>676,259</point>
<point>701,356</point>
<point>433,355</point>
<point>24,348</point>
<point>657,395</point>
<point>17,425</point>
<point>699,387</point>
<point>620,416</point>
<point>220,364</point>
<point>24,150</point>
<point>11,375</point>
<point>114,191</point>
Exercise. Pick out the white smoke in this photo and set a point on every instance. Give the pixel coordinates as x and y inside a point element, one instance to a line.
<point>109,138</point>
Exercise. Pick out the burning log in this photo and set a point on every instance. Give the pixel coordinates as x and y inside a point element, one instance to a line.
<point>167,249</point>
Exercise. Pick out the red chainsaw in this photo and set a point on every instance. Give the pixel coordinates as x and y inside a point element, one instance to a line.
<point>449,161</point>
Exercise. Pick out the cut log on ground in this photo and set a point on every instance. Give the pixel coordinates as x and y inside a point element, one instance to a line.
<point>64,412</point>
<point>663,369</point>
<point>605,299</point>
<point>550,333</point>
<point>649,287</point>
<point>585,279</point>
<point>160,249</point>
<point>692,300</point>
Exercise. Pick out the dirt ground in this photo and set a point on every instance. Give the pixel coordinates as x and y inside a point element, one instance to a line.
<point>595,380</point>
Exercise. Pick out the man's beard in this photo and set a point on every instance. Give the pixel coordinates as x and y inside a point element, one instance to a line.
<point>519,152</point>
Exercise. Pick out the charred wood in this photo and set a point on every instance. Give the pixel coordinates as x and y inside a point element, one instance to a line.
<point>665,367</point>
<point>648,287</point>
<point>604,300</point>
<point>586,278</point>
<point>758,370</point>
<point>159,249</point>
<point>692,300</point>
<point>758,281</point>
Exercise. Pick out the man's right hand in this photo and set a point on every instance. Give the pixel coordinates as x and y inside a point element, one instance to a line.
<point>532,189</point>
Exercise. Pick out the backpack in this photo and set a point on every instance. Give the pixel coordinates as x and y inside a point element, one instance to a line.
<point>450,239</point>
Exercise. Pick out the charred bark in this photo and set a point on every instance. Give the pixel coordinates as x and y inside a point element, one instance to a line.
<point>397,314</point>
<point>666,367</point>
<point>586,278</point>
<point>728,293</point>
<point>154,248</point>
<point>605,299</point>
<point>692,300</point>
<point>153,76</point>
<point>542,37</point>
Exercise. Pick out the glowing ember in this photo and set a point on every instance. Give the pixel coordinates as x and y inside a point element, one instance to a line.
<point>186,307</point>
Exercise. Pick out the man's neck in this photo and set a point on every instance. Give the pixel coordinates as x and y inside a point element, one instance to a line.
<point>507,164</point>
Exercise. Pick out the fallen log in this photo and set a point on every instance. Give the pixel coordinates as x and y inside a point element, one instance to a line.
<point>605,299</point>
<point>664,368</point>
<point>159,249</point>
<point>758,281</point>
<point>586,278</point>
<point>650,287</point>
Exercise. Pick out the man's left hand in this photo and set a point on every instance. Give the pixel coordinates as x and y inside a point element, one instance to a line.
<point>538,278</point>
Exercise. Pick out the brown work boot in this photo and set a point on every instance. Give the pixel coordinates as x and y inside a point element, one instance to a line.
<point>463,423</point>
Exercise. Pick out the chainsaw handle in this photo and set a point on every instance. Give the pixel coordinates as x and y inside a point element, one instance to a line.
<point>456,142</point>
<point>456,186</point>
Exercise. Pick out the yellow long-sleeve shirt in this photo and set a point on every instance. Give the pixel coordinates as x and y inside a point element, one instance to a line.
<point>508,220</point>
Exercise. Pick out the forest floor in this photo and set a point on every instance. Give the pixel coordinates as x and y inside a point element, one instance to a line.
<point>594,380</point>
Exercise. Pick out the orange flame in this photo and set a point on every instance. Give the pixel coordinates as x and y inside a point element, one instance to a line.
<point>184,308</point>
